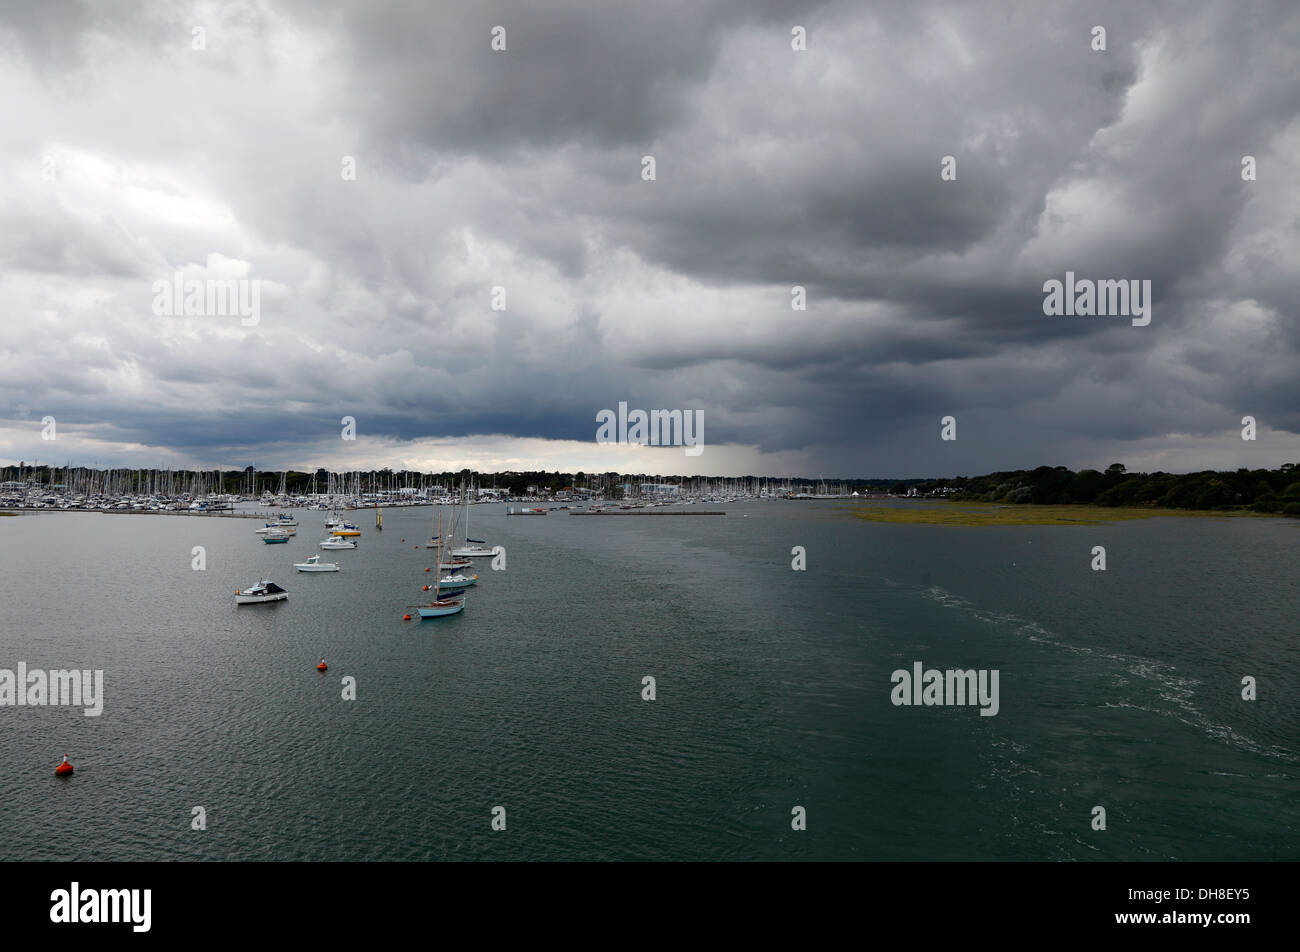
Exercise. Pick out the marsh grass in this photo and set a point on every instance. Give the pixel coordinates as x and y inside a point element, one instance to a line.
<point>941,513</point>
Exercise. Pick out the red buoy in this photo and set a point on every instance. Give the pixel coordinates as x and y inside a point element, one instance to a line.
<point>406,618</point>
<point>426,588</point>
<point>322,666</point>
<point>63,769</point>
<point>427,570</point>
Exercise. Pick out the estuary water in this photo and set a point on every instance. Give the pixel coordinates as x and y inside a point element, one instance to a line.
<point>1119,688</point>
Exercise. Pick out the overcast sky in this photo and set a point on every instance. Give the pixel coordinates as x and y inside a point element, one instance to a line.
<point>131,156</point>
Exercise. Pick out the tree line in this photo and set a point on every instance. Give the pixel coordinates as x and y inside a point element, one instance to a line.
<point>1258,490</point>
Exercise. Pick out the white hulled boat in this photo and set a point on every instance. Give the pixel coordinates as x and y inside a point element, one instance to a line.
<point>473,548</point>
<point>314,564</point>
<point>457,581</point>
<point>263,591</point>
<point>286,528</point>
<point>441,607</point>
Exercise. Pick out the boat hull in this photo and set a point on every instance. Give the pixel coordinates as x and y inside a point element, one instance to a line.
<point>472,552</point>
<point>439,609</point>
<point>327,567</point>
<point>260,599</point>
<point>458,581</point>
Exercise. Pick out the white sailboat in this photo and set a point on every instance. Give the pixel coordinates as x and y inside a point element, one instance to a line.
<point>468,551</point>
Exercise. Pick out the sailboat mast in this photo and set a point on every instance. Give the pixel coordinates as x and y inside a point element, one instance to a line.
<point>437,579</point>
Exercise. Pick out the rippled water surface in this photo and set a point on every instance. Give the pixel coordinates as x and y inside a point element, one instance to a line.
<point>1119,688</point>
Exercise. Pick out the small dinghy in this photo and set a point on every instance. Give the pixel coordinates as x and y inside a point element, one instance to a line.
<point>263,591</point>
<point>314,564</point>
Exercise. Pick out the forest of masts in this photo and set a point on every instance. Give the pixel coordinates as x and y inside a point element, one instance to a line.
<point>252,484</point>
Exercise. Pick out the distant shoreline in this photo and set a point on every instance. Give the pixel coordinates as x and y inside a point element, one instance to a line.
<point>956,513</point>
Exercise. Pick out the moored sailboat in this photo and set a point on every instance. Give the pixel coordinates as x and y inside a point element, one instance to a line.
<point>469,550</point>
<point>441,606</point>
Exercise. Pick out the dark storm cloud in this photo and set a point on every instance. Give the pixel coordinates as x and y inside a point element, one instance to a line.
<point>775,168</point>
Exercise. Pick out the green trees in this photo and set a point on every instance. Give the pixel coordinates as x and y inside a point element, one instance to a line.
<point>1258,490</point>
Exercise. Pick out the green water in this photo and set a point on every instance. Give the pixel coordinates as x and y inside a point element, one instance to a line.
<point>1119,689</point>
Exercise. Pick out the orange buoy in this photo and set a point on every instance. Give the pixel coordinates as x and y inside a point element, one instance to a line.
<point>63,769</point>
<point>406,618</point>
<point>322,666</point>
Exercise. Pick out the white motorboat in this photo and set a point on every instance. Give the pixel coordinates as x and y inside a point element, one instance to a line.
<point>276,527</point>
<point>314,564</point>
<point>338,543</point>
<point>457,581</point>
<point>471,552</point>
<point>263,591</point>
